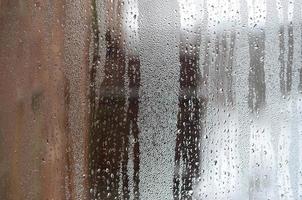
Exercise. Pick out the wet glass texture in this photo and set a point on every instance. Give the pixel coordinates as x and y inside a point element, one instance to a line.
<point>151,99</point>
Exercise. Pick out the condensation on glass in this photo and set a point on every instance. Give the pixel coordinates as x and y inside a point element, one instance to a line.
<point>177,99</point>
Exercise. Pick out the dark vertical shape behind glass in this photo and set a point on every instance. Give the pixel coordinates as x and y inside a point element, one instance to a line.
<point>286,62</point>
<point>290,57</point>
<point>187,148</point>
<point>224,50</point>
<point>256,98</point>
<point>93,100</point>
<point>132,116</point>
<point>110,129</point>
<point>112,120</point>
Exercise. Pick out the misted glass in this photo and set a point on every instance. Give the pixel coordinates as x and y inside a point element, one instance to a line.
<point>151,99</point>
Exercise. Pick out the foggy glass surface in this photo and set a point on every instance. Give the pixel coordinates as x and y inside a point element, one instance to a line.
<point>141,99</point>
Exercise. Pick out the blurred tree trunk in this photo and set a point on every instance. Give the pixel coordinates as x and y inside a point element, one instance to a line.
<point>43,94</point>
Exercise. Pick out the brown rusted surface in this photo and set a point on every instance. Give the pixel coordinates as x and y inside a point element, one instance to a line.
<point>37,77</point>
